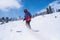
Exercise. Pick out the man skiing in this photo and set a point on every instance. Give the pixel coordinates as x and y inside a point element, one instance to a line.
<point>27,17</point>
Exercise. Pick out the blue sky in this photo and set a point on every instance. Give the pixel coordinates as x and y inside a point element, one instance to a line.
<point>33,6</point>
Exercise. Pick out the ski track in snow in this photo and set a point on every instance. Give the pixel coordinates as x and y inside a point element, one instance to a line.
<point>48,26</point>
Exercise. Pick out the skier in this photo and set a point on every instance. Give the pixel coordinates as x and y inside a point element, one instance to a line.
<point>27,17</point>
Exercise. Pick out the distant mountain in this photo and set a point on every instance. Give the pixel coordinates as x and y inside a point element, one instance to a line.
<point>55,5</point>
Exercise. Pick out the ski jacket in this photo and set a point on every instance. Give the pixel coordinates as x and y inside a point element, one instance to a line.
<point>27,16</point>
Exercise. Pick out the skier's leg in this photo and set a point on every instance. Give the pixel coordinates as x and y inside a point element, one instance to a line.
<point>28,24</point>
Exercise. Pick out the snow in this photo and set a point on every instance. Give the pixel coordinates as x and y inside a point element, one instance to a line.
<point>48,26</point>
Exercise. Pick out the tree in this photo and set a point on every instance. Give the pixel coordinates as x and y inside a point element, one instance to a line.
<point>7,19</point>
<point>50,9</point>
<point>47,10</point>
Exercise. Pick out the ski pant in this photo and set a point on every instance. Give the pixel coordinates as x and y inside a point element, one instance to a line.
<point>28,24</point>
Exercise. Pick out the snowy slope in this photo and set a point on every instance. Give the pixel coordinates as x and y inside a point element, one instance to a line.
<point>48,26</point>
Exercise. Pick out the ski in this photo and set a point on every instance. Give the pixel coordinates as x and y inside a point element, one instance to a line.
<point>35,30</point>
<point>18,31</point>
